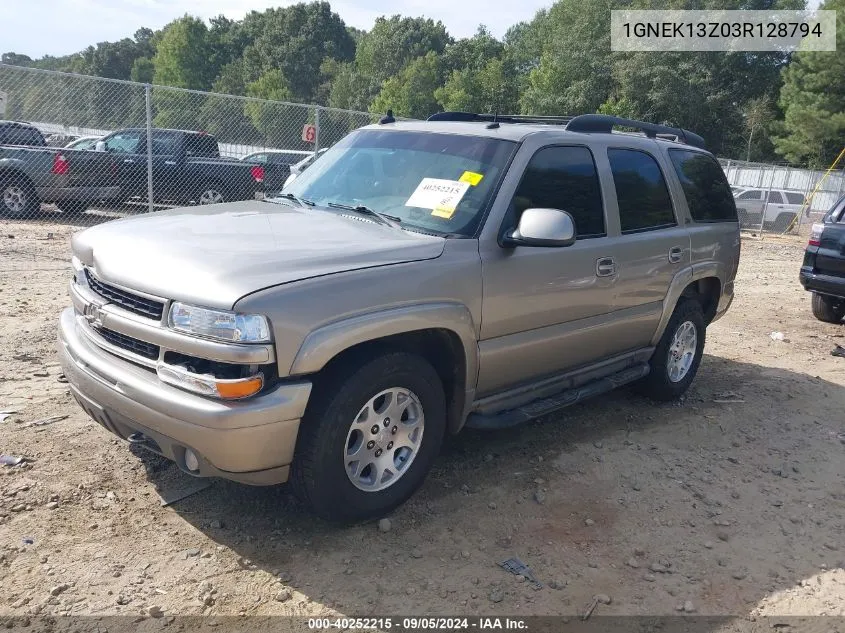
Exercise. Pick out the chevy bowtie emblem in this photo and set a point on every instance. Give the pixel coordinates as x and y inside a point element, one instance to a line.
<point>94,315</point>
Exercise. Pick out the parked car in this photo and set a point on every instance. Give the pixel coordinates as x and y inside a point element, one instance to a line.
<point>770,209</point>
<point>187,167</point>
<point>32,173</point>
<point>304,164</point>
<point>60,139</point>
<point>823,270</point>
<point>277,165</point>
<point>84,142</point>
<point>420,277</point>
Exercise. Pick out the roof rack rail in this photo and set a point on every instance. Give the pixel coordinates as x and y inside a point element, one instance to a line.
<point>605,123</point>
<point>473,117</point>
<point>581,123</point>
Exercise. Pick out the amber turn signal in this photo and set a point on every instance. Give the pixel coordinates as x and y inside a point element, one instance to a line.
<point>244,388</point>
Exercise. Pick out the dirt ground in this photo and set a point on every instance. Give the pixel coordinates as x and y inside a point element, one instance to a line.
<point>729,502</point>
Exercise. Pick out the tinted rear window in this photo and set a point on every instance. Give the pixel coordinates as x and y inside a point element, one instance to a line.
<point>794,198</point>
<point>201,145</point>
<point>21,135</point>
<point>705,186</point>
<point>644,202</point>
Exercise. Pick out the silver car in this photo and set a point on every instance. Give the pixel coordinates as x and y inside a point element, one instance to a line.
<point>421,277</point>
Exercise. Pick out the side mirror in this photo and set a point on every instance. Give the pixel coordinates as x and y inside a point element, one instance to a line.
<point>542,227</point>
<point>100,146</point>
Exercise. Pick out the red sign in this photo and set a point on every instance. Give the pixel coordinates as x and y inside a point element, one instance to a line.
<point>309,133</point>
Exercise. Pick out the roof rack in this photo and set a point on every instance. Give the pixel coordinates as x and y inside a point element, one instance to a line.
<point>605,123</point>
<point>473,117</point>
<point>587,123</point>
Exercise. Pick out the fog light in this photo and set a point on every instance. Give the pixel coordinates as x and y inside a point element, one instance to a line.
<point>192,462</point>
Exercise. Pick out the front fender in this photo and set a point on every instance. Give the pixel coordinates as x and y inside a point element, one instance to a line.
<point>327,341</point>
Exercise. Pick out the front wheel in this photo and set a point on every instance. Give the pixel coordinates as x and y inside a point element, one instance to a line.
<point>828,309</point>
<point>369,437</point>
<point>678,354</point>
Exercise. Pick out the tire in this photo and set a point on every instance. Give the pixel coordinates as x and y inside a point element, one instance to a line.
<point>74,207</point>
<point>660,384</point>
<point>210,193</point>
<point>18,198</point>
<point>332,428</point>
<point>828,309</point>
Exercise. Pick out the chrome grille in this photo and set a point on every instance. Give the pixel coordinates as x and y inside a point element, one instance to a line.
<point>147,350</point>
<point>126,300</point>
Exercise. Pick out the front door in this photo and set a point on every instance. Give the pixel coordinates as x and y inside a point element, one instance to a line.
<point>547,309</point>
<point>130,160</point>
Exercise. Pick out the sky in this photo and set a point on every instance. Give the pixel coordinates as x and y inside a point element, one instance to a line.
<point>68,26</point>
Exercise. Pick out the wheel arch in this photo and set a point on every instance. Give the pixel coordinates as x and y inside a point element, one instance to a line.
<point>703,282</point>
<point>443,334</point>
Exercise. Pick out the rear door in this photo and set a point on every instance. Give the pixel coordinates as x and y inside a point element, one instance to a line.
<point>830,259</point>
<point>654,243</point>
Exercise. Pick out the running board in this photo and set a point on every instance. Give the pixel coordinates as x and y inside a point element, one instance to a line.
<point>544,406</point>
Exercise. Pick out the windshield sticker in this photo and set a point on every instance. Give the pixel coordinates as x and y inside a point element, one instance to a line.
<point>441,196</point>
<point>471,177</point>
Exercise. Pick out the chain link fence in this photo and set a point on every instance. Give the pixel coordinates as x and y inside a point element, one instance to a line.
<point>84,149</point>
<point>780,199</point>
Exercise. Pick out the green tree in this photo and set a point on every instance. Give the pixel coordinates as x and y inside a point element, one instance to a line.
<point>183,56</point>
<point>573,73</point>
<point>297,40</point>
<point>490,89</point>
<point>143,70</point>
<point>393,42</point>
<point>813,102</point>
<point>411,92</point>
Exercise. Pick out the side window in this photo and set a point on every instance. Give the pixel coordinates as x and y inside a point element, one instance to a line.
<point>124,142</point>
<point>563,178</point>
<point>754,194</point>
<point>165,144</point>
<point>705,186</point>
<point>201,145</point>
<point>794,198</point>
<point>641,191</point>
<point>774,197</point>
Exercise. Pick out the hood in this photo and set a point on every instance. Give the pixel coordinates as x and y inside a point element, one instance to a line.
<point>214,255</point>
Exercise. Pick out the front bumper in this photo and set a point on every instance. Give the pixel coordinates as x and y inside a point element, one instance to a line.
<point>251,441</point>
<point>823,284</point>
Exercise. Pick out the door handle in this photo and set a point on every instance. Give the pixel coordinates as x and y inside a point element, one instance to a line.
<point>676,254</point>
<point>605,267</point>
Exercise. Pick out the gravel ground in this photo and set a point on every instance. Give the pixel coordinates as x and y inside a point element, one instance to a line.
<point>729,502</point>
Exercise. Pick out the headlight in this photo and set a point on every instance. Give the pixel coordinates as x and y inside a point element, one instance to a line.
<point>219,324</point>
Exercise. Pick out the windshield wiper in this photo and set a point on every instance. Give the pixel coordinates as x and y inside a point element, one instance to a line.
<point>390,220</point>
<point>302,202</point>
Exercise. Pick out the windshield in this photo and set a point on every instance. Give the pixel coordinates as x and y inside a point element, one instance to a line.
<point>435,182</point>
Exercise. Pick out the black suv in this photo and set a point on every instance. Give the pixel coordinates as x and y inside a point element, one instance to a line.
<point>823,270</point>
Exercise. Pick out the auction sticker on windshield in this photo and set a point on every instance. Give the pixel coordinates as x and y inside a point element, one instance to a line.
<point>441,196</point>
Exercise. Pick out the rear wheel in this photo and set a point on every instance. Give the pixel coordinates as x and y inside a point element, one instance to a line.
<point>678,355</point>
<point>210,193</point>
<point>17,197</point>
<point>828,309</point>
<point>369,437</point>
